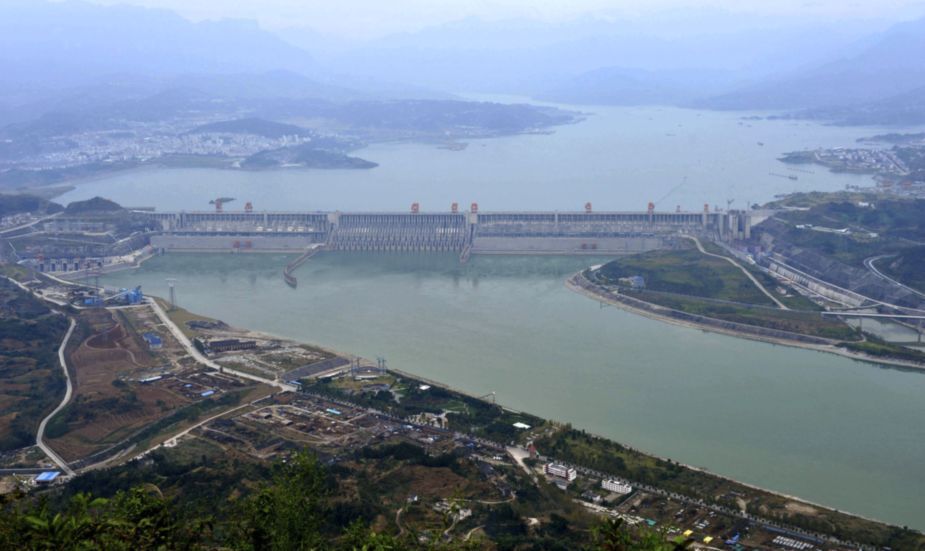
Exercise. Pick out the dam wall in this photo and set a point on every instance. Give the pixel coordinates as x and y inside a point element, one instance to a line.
<point>399,232</point>
<point>462,232</point>
<point>569,245</point>
<point>243,243</point>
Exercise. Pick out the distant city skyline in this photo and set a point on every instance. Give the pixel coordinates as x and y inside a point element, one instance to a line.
<point>361,19</point>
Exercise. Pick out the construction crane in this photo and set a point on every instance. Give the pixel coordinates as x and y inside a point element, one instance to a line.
<point>218,202</point>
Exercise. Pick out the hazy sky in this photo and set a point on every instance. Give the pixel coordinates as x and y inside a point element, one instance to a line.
<point>366,18</point>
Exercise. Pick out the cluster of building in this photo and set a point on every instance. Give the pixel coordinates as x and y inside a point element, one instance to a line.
<point>880,161</point>
<point>15,220</point>
<point>143,145</point>
<point>223,345</point>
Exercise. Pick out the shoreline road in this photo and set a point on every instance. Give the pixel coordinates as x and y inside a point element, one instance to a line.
<point>869,264</point>
<point>40,435</point>
<point>184,340</point>
<point>748,274</point>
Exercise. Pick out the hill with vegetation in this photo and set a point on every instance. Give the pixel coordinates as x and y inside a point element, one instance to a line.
<point>831,235</point>
<point>95,205</point>
<point>31,380</point>
<point>304,156</point>
<point>908,266</point>
<point>255,126</point>
<point>196,497</point>
<point>20,203</point>
<point>687,272</point>
<point>688,281</point>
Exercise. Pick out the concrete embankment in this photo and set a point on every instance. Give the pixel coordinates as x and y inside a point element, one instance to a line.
<point>225,243</point>
<point>568,245</point>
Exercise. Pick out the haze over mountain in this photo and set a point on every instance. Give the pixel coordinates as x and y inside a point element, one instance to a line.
<point>78,57</point>
<point>889,64</point>
<point>526,56</point>
<point>101,41</point>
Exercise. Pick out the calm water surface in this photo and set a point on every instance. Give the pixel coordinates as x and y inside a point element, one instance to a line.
<point>619,159</point>
<point>834,431</point>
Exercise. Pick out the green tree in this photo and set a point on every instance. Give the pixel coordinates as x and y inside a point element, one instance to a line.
<point>288,514</point>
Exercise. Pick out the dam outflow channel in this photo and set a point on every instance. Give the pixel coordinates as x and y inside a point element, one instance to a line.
<point>831,430</point>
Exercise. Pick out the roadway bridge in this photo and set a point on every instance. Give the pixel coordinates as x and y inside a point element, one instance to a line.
<point>584,232</point>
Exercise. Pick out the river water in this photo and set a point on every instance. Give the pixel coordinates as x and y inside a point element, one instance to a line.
<point>831,430</point>
<point>618,158</point>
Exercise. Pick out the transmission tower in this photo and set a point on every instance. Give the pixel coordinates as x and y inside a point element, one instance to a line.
<point>171,282</point>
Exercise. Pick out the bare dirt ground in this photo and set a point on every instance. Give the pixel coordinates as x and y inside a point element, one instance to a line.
<point>109,402</point>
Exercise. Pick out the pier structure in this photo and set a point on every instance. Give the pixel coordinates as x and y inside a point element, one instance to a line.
<point>465,233</point>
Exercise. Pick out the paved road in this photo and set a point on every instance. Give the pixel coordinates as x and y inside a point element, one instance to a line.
<point>748,274</point>
<point>173,440</point>
<point>869,264</point>
<point>40,436</point>
<point>194,352</point>
<point>29,224</point>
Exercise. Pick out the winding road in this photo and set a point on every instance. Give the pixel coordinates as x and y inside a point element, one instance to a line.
<point>869,264</point>
<point>40,435</point>
<point>748,274</point>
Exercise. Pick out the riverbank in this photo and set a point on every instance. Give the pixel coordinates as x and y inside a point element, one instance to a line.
<point>599,458</point>
<point>581,285</point>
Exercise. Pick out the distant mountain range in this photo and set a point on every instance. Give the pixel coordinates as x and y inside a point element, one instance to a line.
<point>73,43</point>
<point>904,109</point>
<point>528,57</point>
<point>890,66</point>
<point>63,63</point>
<point>621,86</point>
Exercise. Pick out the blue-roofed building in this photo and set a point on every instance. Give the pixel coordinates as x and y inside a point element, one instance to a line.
<point>154,341</point>
<point>207,393</point>
<point>47,477</point>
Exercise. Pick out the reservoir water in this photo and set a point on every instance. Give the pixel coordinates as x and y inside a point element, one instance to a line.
<point>831,430</point>
<point>834,431</point>
<point>619,159</point>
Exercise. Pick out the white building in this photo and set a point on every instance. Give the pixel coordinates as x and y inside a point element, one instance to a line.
<point>616,487</point>
<point>561,471</point>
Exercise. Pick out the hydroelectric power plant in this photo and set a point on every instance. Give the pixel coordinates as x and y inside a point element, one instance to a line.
<point>465,232</point>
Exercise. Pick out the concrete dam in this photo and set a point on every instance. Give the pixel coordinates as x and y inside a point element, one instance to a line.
<point>472,232</point>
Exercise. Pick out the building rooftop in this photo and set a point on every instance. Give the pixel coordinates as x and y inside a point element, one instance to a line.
<point>48,476</point>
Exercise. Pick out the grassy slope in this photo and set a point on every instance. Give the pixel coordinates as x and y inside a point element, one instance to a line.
<point>692,282</point>
<point>908,266</point>
<point>688,272</point>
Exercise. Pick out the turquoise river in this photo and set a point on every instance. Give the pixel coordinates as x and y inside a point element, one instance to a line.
<point>831,430</point>
<point>846,434</point>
